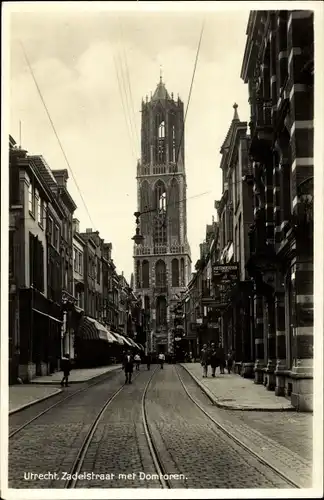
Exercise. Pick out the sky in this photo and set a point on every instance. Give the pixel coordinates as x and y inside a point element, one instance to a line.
<point>80,61</point>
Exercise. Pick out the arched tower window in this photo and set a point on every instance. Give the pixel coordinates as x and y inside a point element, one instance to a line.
<point>145,205</point>
<point>162,130</point>
<point>160,274</point>
<point>138,274</point>
<point>161,311</point>
<point>161,141</point>
<point>146,303</point>
<point>182,272</point>
<point>174,158</point>
<point>175,272</point>
<point>145,274</point>
<point>173,210</point>
<point>160,233</point>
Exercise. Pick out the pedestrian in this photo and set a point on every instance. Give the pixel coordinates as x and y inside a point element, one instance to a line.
<point>128,366</point>
<point>229,361</point>
<point>137,359</point>
<point>66,368</point>
<point>204,359</point>
<point>148,361</point>
<point>161,359</point>
<point>214,362</point>
<point>221,358</point>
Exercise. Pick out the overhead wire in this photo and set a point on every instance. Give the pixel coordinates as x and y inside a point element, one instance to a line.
<point>128,79</point>
<point>55,132</point>
<point>124,106</point>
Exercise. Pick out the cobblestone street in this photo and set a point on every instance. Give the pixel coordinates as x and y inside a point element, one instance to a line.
<point>191,449</point>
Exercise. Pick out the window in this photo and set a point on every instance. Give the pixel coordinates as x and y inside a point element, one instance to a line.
<point>161,311</point>
<point>237,243</point>
<point>182,272</point>
<point>138,274</point>
<point>162,130</point>
<point>81,263</point>
<point>160,274</point>
<point>175,272</point>
<point>98,271</point>
<point>145,274</point>
<point>36,263</point>
<point>50,230</point>
<point>30,198</point>
<point>161,143</point>
<point>147,303</point>
<point>174,159</point>
<point>75,260</point>
<point>237,185</point>
<point>56,241</point>
<point>160,233</point>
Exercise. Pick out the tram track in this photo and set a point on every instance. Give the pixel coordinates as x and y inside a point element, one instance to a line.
<point>56,404</point>
<point>219,426</point>
<point>72,482</point>
<point>143,417</point>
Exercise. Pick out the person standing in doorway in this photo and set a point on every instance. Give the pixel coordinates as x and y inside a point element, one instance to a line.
<point>204,359</point>
<point>66,367</point>
<point>161,359</point>
<point>128,365</point>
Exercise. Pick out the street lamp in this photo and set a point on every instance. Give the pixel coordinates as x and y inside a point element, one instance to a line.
<point>138,238</point>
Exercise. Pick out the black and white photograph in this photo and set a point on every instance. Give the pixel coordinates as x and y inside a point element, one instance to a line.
<point>162,256</point>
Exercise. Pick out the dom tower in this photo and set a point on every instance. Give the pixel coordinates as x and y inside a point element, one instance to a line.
<point>162,262</point>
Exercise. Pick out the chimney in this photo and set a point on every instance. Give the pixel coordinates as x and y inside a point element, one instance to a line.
<point>89,230</point>
<point>76,226</point>
<point>61,177</point>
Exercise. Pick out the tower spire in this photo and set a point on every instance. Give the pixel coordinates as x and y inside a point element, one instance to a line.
<point>236,116</point>
<point>160,73</point>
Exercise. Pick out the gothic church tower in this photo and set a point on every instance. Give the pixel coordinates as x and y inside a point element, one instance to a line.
<point>162,262</point>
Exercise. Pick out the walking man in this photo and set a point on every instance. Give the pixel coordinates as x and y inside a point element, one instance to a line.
<point>229,361</point>
<point>128,365</point>
<point>137,360</point>
<point>213,359</point>
<point>161,359</point>
<point>66,368</point>
<point>204,359</point>
<point>221,358</point>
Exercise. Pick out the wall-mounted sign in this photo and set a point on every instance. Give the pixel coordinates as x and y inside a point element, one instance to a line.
<point>225,274</point>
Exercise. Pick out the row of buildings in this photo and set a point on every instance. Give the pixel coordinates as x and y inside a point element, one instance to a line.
<point>253,286</point>
<point>65,294</point>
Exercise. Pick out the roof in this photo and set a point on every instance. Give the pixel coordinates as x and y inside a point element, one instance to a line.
<point>161,92</point>
<point>227,142</point>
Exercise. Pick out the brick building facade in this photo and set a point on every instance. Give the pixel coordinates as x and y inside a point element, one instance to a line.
<point>278,67</point>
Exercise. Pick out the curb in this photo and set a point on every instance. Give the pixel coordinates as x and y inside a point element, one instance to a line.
<point>50,382</point>
<point>225,406</point>
<point>27,405</point>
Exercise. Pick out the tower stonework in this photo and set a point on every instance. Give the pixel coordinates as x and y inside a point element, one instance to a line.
<point>162,264</point>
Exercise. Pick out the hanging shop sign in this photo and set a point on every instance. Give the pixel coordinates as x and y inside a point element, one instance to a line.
<point>225,274</point>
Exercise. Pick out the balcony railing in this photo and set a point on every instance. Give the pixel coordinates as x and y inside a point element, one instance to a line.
<point>160,289</point>
<point>140,250</point>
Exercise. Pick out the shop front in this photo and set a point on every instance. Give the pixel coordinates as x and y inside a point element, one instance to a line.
<point>40,332</point>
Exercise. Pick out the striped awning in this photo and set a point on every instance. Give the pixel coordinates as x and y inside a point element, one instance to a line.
<point>119,338</point>
<point>127,341</point>
<point>90,329</point>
